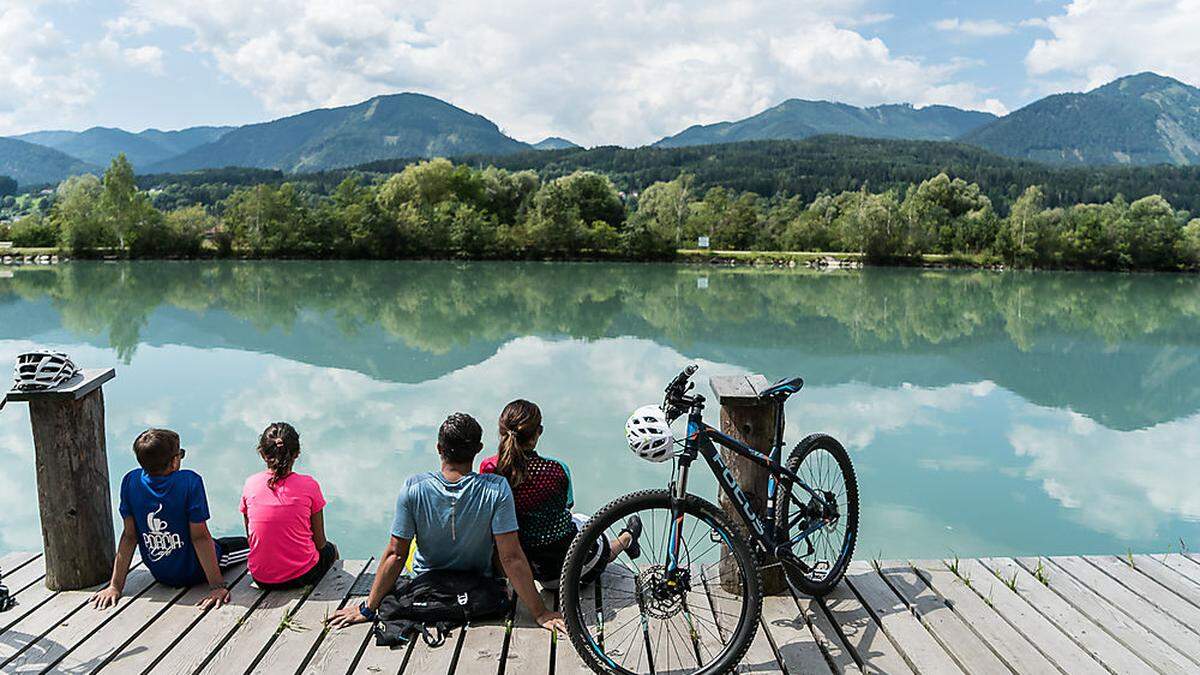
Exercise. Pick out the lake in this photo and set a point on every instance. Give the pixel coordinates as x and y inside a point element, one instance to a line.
<point>986,413</point>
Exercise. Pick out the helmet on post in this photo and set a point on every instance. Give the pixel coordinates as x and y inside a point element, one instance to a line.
<point>39,371</point>
<point>649,434</point>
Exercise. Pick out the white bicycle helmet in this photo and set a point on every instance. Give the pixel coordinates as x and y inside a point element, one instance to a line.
<point>649,434</point>
<point>38,371</point>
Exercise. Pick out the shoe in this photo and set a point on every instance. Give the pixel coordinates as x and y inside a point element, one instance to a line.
<point>7,601</point>
<point>634,527</point>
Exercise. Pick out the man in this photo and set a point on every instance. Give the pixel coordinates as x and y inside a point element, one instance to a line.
<point>457,515</point>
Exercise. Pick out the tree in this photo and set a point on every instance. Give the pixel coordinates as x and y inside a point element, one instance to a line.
<point>595,197</point>
<point>662,213</point>
<point>872,225</point>
<point>126,210</point>
<point>555,225</point>
<point>77,216</point>
<point>33,231</point>
<point>1189,244</point>
<point>1021,232</point>
<point>8,186</point>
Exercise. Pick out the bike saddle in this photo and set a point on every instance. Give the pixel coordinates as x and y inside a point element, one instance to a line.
<point>783,388</point>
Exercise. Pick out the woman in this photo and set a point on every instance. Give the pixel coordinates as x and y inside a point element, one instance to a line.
<point>543,497</point>
<point>285,517</point>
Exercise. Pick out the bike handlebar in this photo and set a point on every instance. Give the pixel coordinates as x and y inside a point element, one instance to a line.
<point>674,401</point>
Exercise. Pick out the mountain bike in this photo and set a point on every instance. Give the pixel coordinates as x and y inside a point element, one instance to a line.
<point>689,602</point>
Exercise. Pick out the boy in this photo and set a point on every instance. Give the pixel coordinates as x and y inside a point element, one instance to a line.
<point>165,512</point>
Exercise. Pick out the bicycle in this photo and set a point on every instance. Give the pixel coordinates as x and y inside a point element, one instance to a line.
<point>700,582</point>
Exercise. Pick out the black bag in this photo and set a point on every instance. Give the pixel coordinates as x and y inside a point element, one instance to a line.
<point>435,602</point>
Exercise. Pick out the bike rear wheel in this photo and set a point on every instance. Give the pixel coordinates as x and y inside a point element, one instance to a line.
<point>637,618</point>
<point>819,561</point>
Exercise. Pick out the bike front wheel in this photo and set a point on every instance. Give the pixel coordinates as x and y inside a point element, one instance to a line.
<point>639,616</point>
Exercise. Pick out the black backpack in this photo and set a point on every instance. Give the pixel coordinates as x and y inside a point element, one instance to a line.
<point>434,602</point>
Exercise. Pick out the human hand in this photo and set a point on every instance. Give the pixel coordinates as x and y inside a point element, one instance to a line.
<point>215,598</point>
<point>346,616</point>
<point>552,621</point>
<point>106,598</point>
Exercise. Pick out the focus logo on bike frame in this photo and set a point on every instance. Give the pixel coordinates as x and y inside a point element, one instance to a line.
<point>742,500</point>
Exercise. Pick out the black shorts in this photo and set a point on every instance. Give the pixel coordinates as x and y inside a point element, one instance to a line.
<point>328,556</point>
<point>547,561</point>
<point>232,551</point>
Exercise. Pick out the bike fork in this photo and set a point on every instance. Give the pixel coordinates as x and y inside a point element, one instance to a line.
<point>676,536</point>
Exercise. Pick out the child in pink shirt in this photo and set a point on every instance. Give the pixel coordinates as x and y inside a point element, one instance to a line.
<point>284,517</point>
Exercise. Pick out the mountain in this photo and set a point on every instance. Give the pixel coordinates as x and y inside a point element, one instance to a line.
<point>554,143</point>
<point>1140,119</point>
<point>384,127</point>
<point>33,164</point>
<point>99,145</point>
<point>796,119</point>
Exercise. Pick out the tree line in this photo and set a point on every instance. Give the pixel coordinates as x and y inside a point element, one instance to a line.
<point>436,208</point>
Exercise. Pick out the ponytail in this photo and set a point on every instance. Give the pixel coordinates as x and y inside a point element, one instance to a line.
<point>520,424</point>
<point>279,446</point>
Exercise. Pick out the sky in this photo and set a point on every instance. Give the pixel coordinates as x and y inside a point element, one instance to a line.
<point>602,72</point>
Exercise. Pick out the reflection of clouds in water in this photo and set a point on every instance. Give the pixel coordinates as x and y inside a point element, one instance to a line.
<point>1125,483</point>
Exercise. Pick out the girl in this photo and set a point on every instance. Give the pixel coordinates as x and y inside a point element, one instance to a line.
<point>543,496</point>
<point>284,515</point>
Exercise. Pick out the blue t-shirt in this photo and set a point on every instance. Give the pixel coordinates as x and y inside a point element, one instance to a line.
<point>454,523</point>
<point>162,507</point>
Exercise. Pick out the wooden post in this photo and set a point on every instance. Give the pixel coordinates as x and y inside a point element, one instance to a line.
<point>751,420</point>
<point>72,480</point>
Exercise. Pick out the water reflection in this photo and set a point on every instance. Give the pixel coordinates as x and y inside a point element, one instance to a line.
<point>987,413</point>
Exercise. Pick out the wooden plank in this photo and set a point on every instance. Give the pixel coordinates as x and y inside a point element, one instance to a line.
<point>1149,616</point>
<point>1115,623</point>
<point>60,623</point>
<point>206,635</point>
<point>12,562</point>
<point>566,660</point>
<point>874,651</point>
<point>716,613</point>
<point>622,630</point>
<point>916,644</point>
<point>291,648</point>
<point>1041,633</point>
<point>1182,565</point>
<point>376,660</point>
<point>1010,645</point>
<point>967,649</point>
<point>727,609</point>
<point>171,625</point>
<point>789,630</point>
<point>838,653</point>
<point>1157,569</point>
<point>1104,648</point>
<point>20,580</point>
<point>528,644</point>
<point>29,598</point>
<point>1155,593</point>
<point>426,660</point>
<point>254,633</point>
<point>337,652</point>
<point>103,644</point>
<point>482,647</point>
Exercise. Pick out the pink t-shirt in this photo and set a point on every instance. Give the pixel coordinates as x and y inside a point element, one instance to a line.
<point>281,536</point>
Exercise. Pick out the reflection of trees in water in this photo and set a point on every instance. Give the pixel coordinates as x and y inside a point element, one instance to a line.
<point>432,306</point>
<point>437,307</point>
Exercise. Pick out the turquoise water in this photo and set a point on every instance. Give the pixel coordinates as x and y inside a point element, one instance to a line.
<point>986,413</point>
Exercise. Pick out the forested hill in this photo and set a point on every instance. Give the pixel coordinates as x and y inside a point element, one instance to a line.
<point>400,125</point>
<point>1141,119</point>
<point>795,119</point>
<point>99,145</point>
<point>837,163</point>
<point>32,164</point>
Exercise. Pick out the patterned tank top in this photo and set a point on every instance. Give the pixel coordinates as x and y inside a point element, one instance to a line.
<point>543,501</point>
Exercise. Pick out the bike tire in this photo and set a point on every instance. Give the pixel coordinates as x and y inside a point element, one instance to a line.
<point>615,513</point>
<point>812,444</point>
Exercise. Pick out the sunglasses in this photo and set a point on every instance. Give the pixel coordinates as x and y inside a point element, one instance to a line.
<point>182,453</point>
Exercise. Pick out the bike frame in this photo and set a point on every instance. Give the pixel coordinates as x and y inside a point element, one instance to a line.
<point>701,441</point>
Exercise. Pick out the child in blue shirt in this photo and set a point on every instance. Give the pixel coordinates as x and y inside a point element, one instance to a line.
<point>166,512</point>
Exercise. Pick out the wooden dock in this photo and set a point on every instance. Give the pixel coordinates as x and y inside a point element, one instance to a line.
<point>1091,614</point>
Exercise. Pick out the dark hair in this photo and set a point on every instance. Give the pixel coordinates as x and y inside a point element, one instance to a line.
<point>520,423</point>
<point>279,445</point>
<point>460,438</point>
<point>156,449</point>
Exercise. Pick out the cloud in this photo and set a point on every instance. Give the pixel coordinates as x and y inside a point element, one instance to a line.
<point>611,71</point>
<point>1094,41</point>
<point>974,28</point>
<point>41,74</point>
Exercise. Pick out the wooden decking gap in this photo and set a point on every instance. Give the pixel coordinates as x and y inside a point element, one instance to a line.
<point>1068,614</point>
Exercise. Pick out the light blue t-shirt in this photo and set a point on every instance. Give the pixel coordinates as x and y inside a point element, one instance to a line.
<point>454,523</point>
